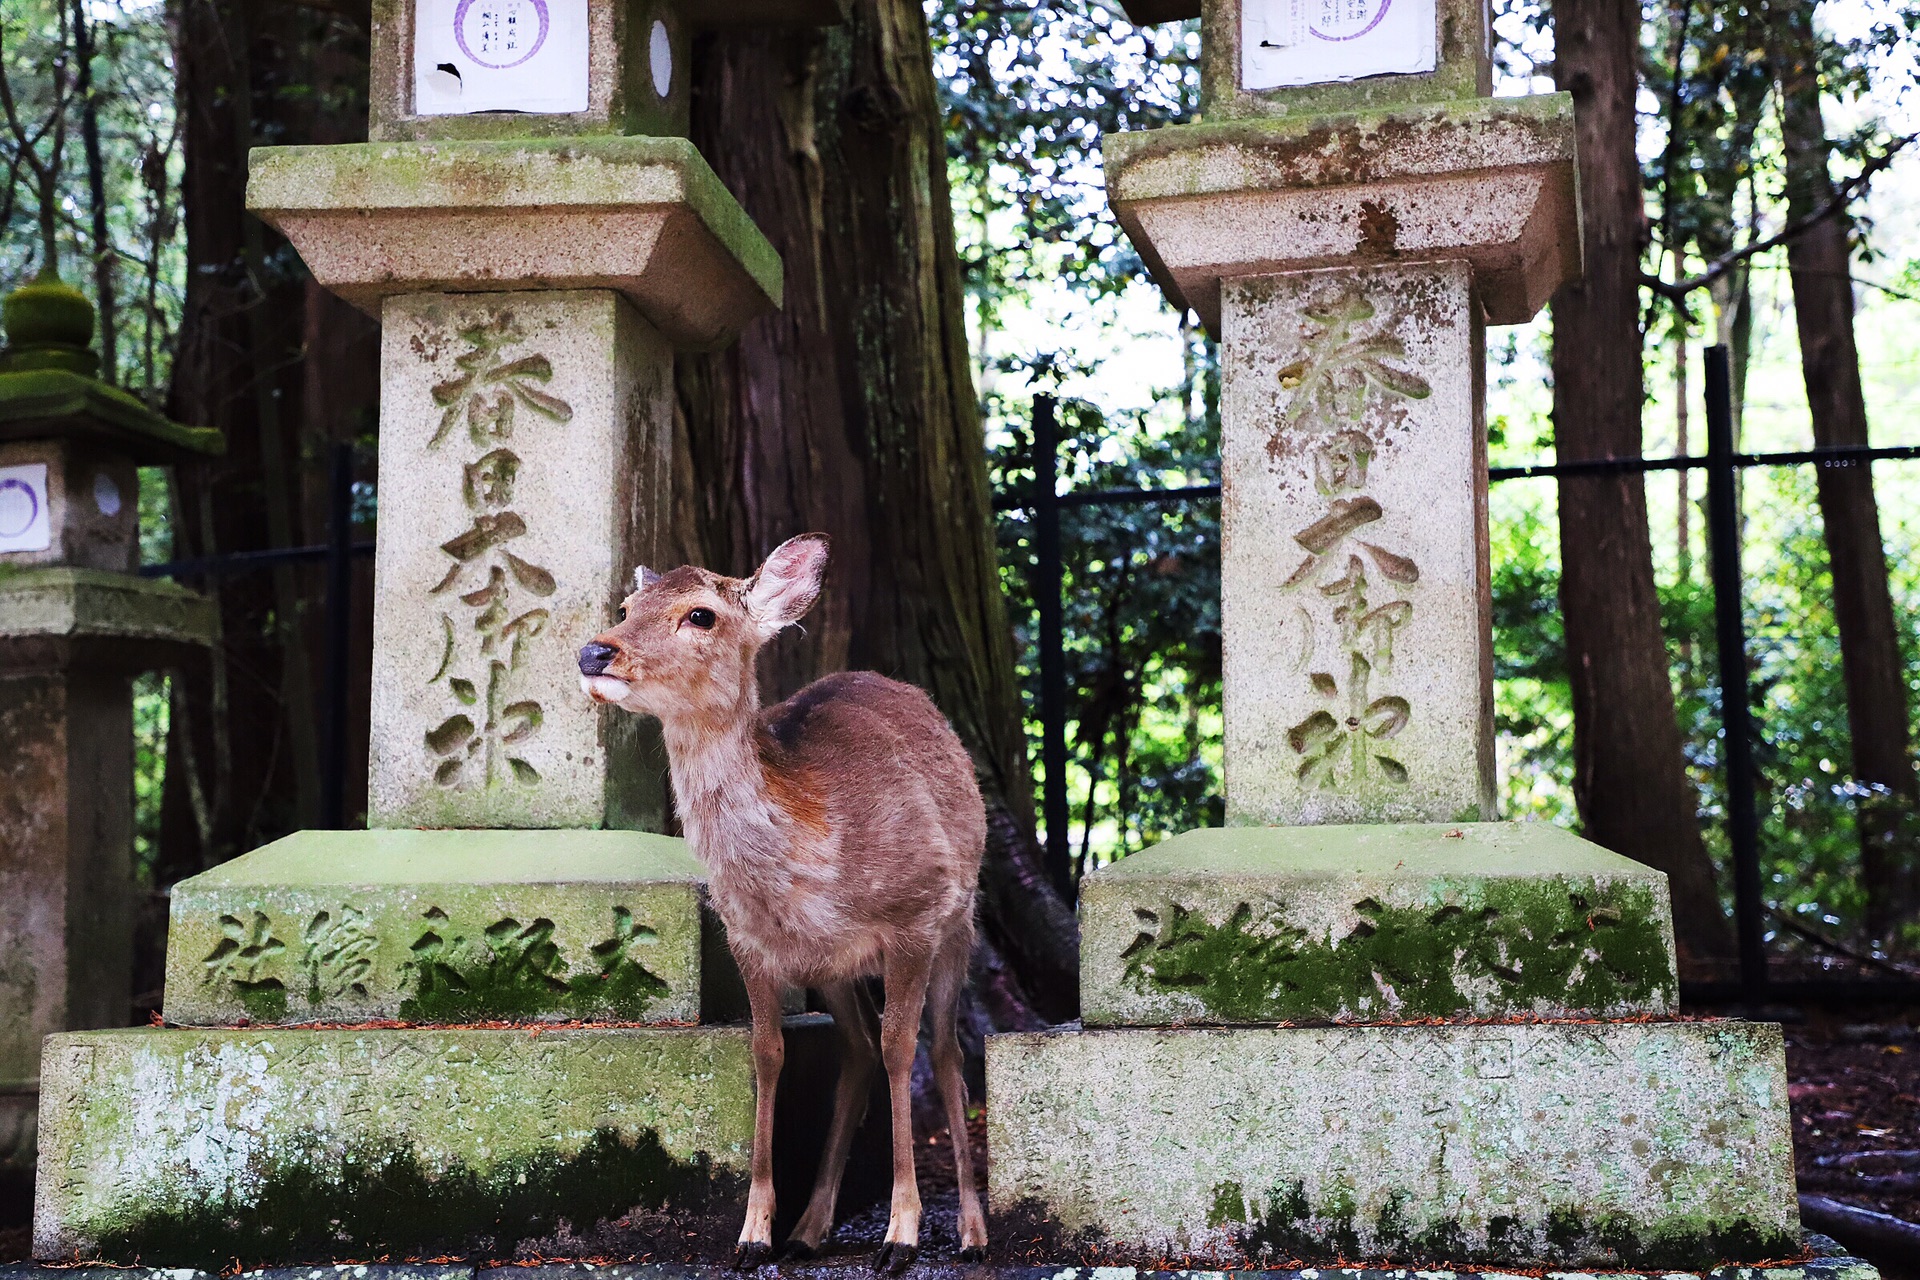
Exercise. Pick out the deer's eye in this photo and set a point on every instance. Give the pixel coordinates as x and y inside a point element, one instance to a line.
<point>701,618</point>
<point>620,612</point>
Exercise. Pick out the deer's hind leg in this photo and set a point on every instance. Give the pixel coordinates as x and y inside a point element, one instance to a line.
<point>906,978</point>
<point>858,1056</point>
<point>943,1005</point>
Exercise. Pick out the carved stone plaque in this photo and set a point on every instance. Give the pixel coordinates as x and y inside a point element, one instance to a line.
<point>500,55</point>
<point>1285,43</point>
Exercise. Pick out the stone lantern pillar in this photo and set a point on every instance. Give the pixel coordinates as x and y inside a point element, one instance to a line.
<point>76,623</point>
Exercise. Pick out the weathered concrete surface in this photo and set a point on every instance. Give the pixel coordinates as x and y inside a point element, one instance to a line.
<point>1578,1144</point>
<point>446,926</point>
<point>1354,587</point>
<point>190,1147</point>
<point>1302,924</point>
<point>1488,181</point>
<point>524,471</point>
<point>646,217</point>
<point>66,875</point>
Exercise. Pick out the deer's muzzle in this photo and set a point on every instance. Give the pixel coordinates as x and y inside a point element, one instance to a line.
<point>594,658</point>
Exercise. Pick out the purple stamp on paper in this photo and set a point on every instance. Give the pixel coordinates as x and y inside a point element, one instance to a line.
<point>19,507</point>
<point>1335,20</point>
<point>499,34</point>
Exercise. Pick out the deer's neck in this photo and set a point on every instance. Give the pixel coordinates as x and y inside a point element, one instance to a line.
<point>726,806</point>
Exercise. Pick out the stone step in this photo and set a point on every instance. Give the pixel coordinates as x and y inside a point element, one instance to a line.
<point>1643,1144</point>
<point>450,927</point>
<point>1374,923</point>
<point>196,1148</point>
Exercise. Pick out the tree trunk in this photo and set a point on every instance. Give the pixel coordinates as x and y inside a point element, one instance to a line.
<point>1820,263</point>
<point>853,412</point>
<point>1629,775</point>
<point>105,261</point>
<point>292,74</point>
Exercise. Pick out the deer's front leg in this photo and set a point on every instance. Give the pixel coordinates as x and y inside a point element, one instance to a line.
<point>769,1053</point>
<point>906,978</point>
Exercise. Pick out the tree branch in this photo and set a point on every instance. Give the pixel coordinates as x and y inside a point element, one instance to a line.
<point>1848,192</point>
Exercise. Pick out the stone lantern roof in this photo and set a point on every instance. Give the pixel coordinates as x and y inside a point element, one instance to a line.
<point>75,602</point>
<point>49,388</point>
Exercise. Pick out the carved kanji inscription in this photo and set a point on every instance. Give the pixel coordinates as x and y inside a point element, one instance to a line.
<point>488,597</point>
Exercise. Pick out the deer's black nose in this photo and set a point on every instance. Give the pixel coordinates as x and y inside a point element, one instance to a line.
<point>594,658</point>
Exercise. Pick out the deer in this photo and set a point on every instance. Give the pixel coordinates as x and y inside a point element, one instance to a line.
<point>841,831</point>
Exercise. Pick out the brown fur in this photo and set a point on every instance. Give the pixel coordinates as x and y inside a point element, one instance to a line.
<point>842,832</point>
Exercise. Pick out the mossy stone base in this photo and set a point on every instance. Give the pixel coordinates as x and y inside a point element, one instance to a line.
<point>1390,922</point>
<point>450,927</point>
<point>1538,1144</point>
<point>200,1147</point>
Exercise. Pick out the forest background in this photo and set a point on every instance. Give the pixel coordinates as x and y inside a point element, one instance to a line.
<point>932,178</point>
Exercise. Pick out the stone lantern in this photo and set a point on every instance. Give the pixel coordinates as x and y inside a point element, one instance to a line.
<point>76,623</point>
<point>1365,1019</point>
<point>538,240</point>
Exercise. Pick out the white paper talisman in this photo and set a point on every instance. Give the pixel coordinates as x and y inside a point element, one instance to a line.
<point>499,55</point>
<point>1287,43</point>
<point>25,523</point>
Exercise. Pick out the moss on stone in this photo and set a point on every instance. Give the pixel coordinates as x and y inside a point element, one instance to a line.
<point>1535,941</point>
<point>380,1198</point>
<point>265,1001</point>
<point>519,972</point>
<point>1286,1227</point>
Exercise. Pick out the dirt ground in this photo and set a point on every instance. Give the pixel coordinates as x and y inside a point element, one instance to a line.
<point>1855,1090</point>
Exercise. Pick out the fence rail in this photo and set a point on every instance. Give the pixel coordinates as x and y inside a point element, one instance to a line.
<point>1720,462</point>
<point>338,551</point>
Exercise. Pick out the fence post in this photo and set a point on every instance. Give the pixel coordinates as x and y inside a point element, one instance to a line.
<point>1736,713</point>
<point>338,640</point>
<point>1053,662</point>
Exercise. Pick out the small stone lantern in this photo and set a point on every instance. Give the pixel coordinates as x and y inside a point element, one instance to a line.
<point>76,623</point>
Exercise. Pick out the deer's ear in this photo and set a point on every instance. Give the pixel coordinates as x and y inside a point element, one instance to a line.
<point>785,587</point>
<point>643,578</point>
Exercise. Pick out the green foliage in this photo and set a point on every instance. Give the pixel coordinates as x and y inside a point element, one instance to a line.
<point>132,99</point>
<point>1141,619</point>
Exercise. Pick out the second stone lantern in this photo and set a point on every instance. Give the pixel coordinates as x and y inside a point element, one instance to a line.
<point>1364,1020</point>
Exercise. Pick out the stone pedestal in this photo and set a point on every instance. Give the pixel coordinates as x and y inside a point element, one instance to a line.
<point>450,926</point>
<point>76,625</point>
<point>278,1145</point>
<point>1394,922</point>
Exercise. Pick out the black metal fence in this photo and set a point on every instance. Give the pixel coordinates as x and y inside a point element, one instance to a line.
<point>336,607</point>
<point>1721,463</point>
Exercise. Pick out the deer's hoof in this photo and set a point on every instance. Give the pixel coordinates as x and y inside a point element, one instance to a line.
<point>796,1251</point>
<point>974,1253</point>
<point>895,1257</point>
<point>749,1254</point>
